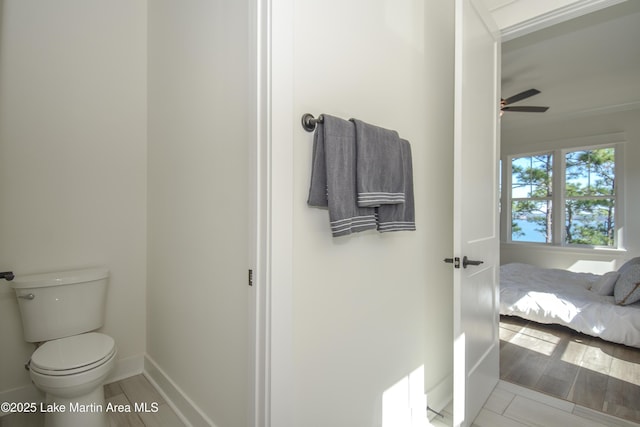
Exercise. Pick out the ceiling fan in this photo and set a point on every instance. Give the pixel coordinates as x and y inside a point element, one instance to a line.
<point>505,103</point>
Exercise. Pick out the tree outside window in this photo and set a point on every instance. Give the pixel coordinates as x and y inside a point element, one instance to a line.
<point>590,197</point>
<point>586,179</point>
<point>531,198</point>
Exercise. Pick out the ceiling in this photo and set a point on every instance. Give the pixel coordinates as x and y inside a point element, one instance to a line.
<point>587,65</point>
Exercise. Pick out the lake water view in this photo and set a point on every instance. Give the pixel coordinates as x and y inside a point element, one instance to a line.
<point>531,234</point>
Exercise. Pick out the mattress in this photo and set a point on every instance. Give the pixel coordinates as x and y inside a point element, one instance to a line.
<point>564,297</point>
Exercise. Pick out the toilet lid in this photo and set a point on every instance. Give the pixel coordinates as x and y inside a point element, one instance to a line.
<point>73,354</point>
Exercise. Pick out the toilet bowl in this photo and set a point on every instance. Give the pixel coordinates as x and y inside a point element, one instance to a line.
<point>61,311</point>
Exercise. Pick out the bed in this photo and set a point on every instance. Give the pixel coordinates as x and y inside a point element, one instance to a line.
<point>605,306</point>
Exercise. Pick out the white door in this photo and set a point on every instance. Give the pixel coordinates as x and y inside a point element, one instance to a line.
<point>476,235</point>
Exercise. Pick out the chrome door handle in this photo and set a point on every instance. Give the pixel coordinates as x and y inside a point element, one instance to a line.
<point>27,296</point>
<point>466,261</point>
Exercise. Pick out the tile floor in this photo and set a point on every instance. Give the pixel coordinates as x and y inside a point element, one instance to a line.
<point>139,390</point>
<point>133,390</point>
<point>511,405</point>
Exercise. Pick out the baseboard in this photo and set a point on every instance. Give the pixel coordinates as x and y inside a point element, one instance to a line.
<point>183,406</point>
<point>441,395</point>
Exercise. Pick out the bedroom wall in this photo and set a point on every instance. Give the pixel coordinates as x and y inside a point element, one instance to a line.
<point>73,160</point>
<point>593,260</point>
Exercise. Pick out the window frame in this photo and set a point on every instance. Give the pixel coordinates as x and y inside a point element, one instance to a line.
<point>533,199</point>
<point>558,198</point>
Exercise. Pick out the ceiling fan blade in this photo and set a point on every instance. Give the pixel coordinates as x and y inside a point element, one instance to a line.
<point>520,96</point>
<point>526,109</point>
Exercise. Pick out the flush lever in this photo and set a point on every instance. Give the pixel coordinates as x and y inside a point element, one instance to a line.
<point>27,296</point>
<point>7,275</point>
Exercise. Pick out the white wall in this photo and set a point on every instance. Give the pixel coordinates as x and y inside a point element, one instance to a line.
<point>527,138</point>
<point>197,294</point>
<point>369,309</point>
<point>73,159</point>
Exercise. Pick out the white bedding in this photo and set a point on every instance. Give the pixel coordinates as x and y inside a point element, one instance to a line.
<point>563,297</point>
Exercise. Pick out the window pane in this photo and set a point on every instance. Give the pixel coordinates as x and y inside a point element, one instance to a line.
<point>531,221</point>
<point>590,172</point>
<point>590,222</point>
<point>531,176</point>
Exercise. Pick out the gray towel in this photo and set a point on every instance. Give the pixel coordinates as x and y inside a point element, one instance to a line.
<point>400,217</point>
<point>333,177</point>
<point>380,178</point>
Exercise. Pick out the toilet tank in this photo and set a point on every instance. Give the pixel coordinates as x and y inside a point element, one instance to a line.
<point>61,304</point>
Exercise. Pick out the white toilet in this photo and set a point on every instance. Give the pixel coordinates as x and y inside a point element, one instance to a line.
<point>59,310</point>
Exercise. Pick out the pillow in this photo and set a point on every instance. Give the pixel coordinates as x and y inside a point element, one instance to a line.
<point>604,285</point>
<point>627,289</point>
<point>628,264</point>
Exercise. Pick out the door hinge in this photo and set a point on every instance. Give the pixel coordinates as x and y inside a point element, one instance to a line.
<point>455,261</point>
<point>250,277</point>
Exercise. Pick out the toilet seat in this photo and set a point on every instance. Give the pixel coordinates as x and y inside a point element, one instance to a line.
<point>72,355</point>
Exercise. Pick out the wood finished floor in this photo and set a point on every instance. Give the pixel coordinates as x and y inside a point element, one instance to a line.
<point>559,362</point>
<point>125,392</point>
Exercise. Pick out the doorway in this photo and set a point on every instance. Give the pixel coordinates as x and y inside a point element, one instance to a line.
<point>581,67</point>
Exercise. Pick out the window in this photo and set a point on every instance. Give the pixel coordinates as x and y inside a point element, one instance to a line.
<point>563,197</point>
<point>531,198</point>
<point>590,197</point>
